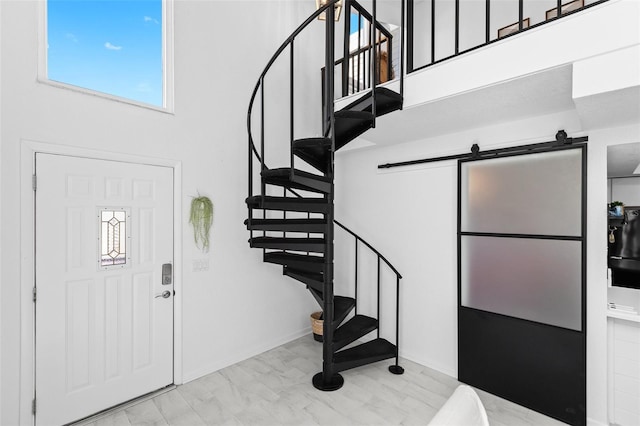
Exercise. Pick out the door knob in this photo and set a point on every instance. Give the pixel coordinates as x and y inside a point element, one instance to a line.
<point>165,294</point>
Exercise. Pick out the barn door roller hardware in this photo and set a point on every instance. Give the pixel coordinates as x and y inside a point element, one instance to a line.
<point>561,140</point>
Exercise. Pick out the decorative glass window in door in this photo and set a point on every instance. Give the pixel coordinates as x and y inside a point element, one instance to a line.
<point>113,238</point>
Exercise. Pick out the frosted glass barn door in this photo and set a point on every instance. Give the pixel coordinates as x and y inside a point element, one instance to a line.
<point>521,279</point>
<point>104,318</point>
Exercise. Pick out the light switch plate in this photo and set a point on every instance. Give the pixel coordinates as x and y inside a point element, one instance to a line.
<point>200,265</point>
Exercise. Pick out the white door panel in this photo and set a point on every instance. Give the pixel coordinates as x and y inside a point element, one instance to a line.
<point>102,335</point>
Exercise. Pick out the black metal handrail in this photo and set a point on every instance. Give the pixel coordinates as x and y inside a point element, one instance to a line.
<point>519,23</point>
<point>252,149</point>
<point>260,83</point>
<point>380,257</point>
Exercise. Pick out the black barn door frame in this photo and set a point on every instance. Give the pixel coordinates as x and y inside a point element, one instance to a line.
<point>536,365</point>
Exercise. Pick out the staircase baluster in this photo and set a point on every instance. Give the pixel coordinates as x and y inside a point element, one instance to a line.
<point>359,53</point>
<point>352,63</point>
<point>291,108</point>
<point>284,212</point>
<point>397,318</point>
<point>262,166</point>
<point>457,27</point>
<point>402,56</point>
<point>263,186</point>
<point>378,48</point>
<point>379,296</point>
<point>521,14</point>
<point>390,75</point>
<point>356,278</point>
<point>250,180</point>
<point>488,21</point>
<point>409,34</point>
<point>369,59</point>
<point>346,48</point>
<point>433,31</point>
<point>376,67</point>
<point>396,369</point>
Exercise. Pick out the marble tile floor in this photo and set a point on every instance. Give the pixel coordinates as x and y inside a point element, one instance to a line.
<point>274,388</point>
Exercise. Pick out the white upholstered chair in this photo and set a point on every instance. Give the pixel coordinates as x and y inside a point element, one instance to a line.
<point>463,408</point>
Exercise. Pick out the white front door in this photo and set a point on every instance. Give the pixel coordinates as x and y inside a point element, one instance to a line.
<point>104,309</point>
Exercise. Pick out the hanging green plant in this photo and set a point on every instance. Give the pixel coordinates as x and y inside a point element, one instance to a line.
<point>201,217</point>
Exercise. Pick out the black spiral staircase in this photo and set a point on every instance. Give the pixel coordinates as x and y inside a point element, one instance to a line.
<point>295,228</point>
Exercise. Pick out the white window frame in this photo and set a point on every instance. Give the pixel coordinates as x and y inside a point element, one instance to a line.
<point>167,62</point>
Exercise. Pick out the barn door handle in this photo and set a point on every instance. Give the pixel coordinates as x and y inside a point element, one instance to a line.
<point>165,294</point>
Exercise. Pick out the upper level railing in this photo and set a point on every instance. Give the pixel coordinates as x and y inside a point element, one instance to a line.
<point>439,30</point>
<point>356,74</point>
<point>359,54</point>
<point>368,51</point>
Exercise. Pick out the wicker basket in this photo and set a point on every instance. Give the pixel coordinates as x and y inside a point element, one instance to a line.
<point>317,325</point>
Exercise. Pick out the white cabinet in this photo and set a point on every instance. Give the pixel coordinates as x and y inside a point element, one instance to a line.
<point>624,371</point>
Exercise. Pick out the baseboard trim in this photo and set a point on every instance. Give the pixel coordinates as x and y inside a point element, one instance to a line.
<point>249,353</point>
<point>425,362</point>
<point>105,413</point>
<point>592,422</point>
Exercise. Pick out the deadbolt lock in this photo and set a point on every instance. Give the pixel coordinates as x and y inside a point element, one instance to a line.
<point>167,274</point>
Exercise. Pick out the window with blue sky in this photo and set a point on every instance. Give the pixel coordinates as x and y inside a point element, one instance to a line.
<point>354,27</point>
<point>109,46</point>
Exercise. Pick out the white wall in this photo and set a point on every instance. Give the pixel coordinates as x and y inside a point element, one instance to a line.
<point>624,348</point>
<point>1,198</point>
<point>421,33</point>
<point>626,190</point>
<point>235,309</point>
<point>409,214</point>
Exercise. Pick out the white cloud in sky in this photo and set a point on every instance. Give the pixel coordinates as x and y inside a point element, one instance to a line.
<point>144,87</point>
<point>72,37</point>
<point>150,19</point>
<point>110,46</point>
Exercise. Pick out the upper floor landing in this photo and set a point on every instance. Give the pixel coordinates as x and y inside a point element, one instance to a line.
<point>588,61</point>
